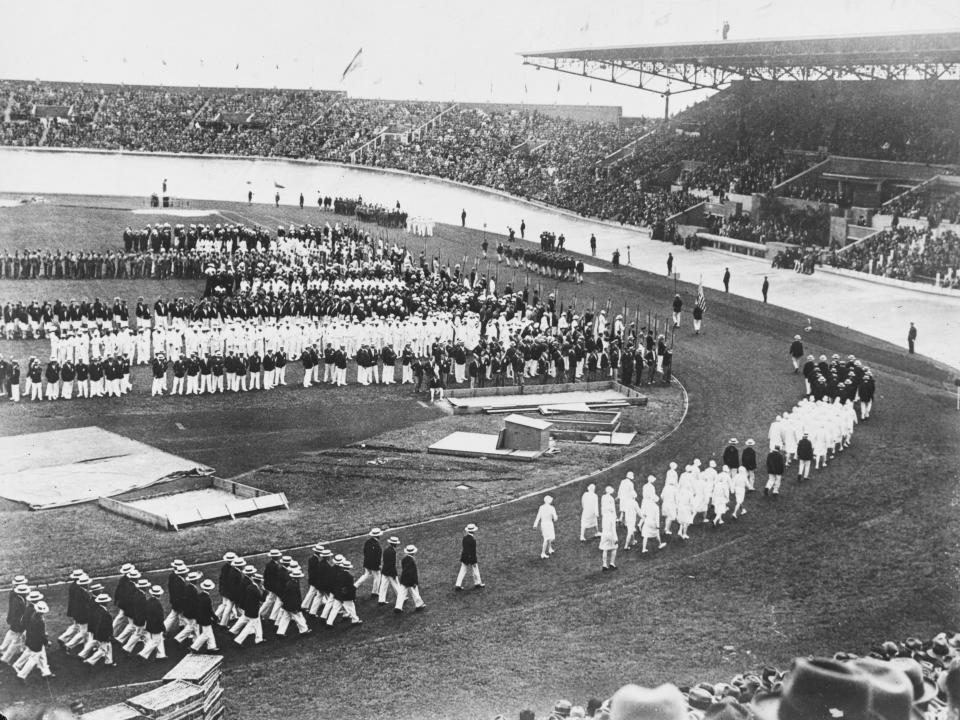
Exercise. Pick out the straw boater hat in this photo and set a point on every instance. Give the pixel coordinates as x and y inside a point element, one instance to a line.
<point>76,574</point>
<point>319,548</point>
<point>274,554</point>
<point>156,591</point>
<point>376,532</point>
<point>143,583</point>
<point>238,562</point>
<point>126,568</point>
<point>410,549</point>
<point>181,570</point>
<point>750,442</point>
<point>194,576</point>
<point>42,608</point>
<point>229,557</point>
<point>34,596</point>
<point>325,553</point>
<point>19,580</point>
<point>207,585</point>
<point>83,580</point>
<point>249,570</point>
<point>177,563</point>
<point>102,599</point>
<point>394,540</point>
<point>734,441</point>
<point>296,573</point>
<point>471,528</point>
<point>21,590</point>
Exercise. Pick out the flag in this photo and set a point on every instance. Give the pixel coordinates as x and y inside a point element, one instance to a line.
<point>662,20</point>
<point>701,300</point>
<point>237,66</point>
<point>278,185</point>
<point>352,65</point>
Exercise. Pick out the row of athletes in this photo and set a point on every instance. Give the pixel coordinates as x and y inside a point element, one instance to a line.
<point>247,599</point>
<point>101,377</point>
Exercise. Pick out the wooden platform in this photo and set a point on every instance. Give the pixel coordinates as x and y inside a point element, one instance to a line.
<point>604,394</point>
<point>467,444</point>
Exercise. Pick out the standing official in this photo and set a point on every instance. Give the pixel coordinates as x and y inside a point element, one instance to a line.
<point>796,353</point>
<point>468,559</point>
<point>912,337</point>
<point>677,307</point>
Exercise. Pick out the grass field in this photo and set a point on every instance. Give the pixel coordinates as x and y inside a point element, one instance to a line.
<point>867,551</point>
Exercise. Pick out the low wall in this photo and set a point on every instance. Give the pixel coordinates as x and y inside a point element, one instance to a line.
<point>890,282</point>
<point>740,247</point>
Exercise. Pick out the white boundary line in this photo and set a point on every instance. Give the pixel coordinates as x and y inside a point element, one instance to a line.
<point>443,518</point>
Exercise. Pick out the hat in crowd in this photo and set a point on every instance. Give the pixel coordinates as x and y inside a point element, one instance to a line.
<point>83,580</point>
<point>796,337</point>
<point>394,540</point>
<point>194,576</point>
<point>19,580</point>
<point>338,559</point>
<point>325,553</point>
<point>750,442</point>
<point>471,528</point>
<point>133,574</point>
<point>78,573</point>
<point>143,583</point>
<point>35,596</point>
<point>249,570</point>
<point>376,532</point>
<point>126,568</point>
<point>42,607</point>
<point>562,708</point>
<point>229,557</point>
<point>177,563</point>
<point>238,562</point>
<point>102,599</point>
<point>319,548</point>
<point>727,708</point>
<point>258,576</point>
<point>924,689</point>
<point>274,554</point>
<point>346,565</point>
<point>940,649</point>
<point>734,441</point>
<point>96,587</point>
<point>821,688</point>
<point>410,549</point>
<point>632,702</point>
<point>286,560</point>
<point>156,591</point>
<point>296,573</point>
<point>181,570</point>
<point>207,585</point>
<point>21,590</point>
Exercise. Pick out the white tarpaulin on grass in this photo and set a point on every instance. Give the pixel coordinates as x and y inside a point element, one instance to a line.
<point>63,467</point>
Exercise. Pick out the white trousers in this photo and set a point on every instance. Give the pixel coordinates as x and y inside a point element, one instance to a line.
<point>34,659</point>
<point>250,626</point>
<point>375,574</point>
<point>347,607</point>
<point>154,644</point>
<point>413,592</point>
<point>463,574</point>
<point>204,639</point>
<point>286,617</point>
<point>387,582</point>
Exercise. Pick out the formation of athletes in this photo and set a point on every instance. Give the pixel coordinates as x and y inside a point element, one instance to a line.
<point>143,617</point>
<point>134,620</point>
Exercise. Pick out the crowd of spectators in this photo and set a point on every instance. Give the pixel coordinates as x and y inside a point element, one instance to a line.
<point>905,253</point>
<point>737,138</point>
<point>918,680</point>
<point>793,226</point>
<point>926,205</point>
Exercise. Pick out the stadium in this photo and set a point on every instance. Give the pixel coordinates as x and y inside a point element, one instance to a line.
<point>574,328</point>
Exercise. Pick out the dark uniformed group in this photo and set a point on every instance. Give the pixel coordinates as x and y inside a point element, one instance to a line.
<point>247,598</point>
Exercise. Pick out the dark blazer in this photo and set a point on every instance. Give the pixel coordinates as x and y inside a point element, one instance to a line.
<point>468,555</point>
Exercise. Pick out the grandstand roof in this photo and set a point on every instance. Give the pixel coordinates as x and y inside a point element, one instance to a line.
<point>929,55</point>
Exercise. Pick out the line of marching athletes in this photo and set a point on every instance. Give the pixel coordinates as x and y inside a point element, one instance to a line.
<point>248,598</point>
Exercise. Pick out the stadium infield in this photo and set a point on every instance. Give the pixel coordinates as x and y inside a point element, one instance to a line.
<point>865,552</point>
